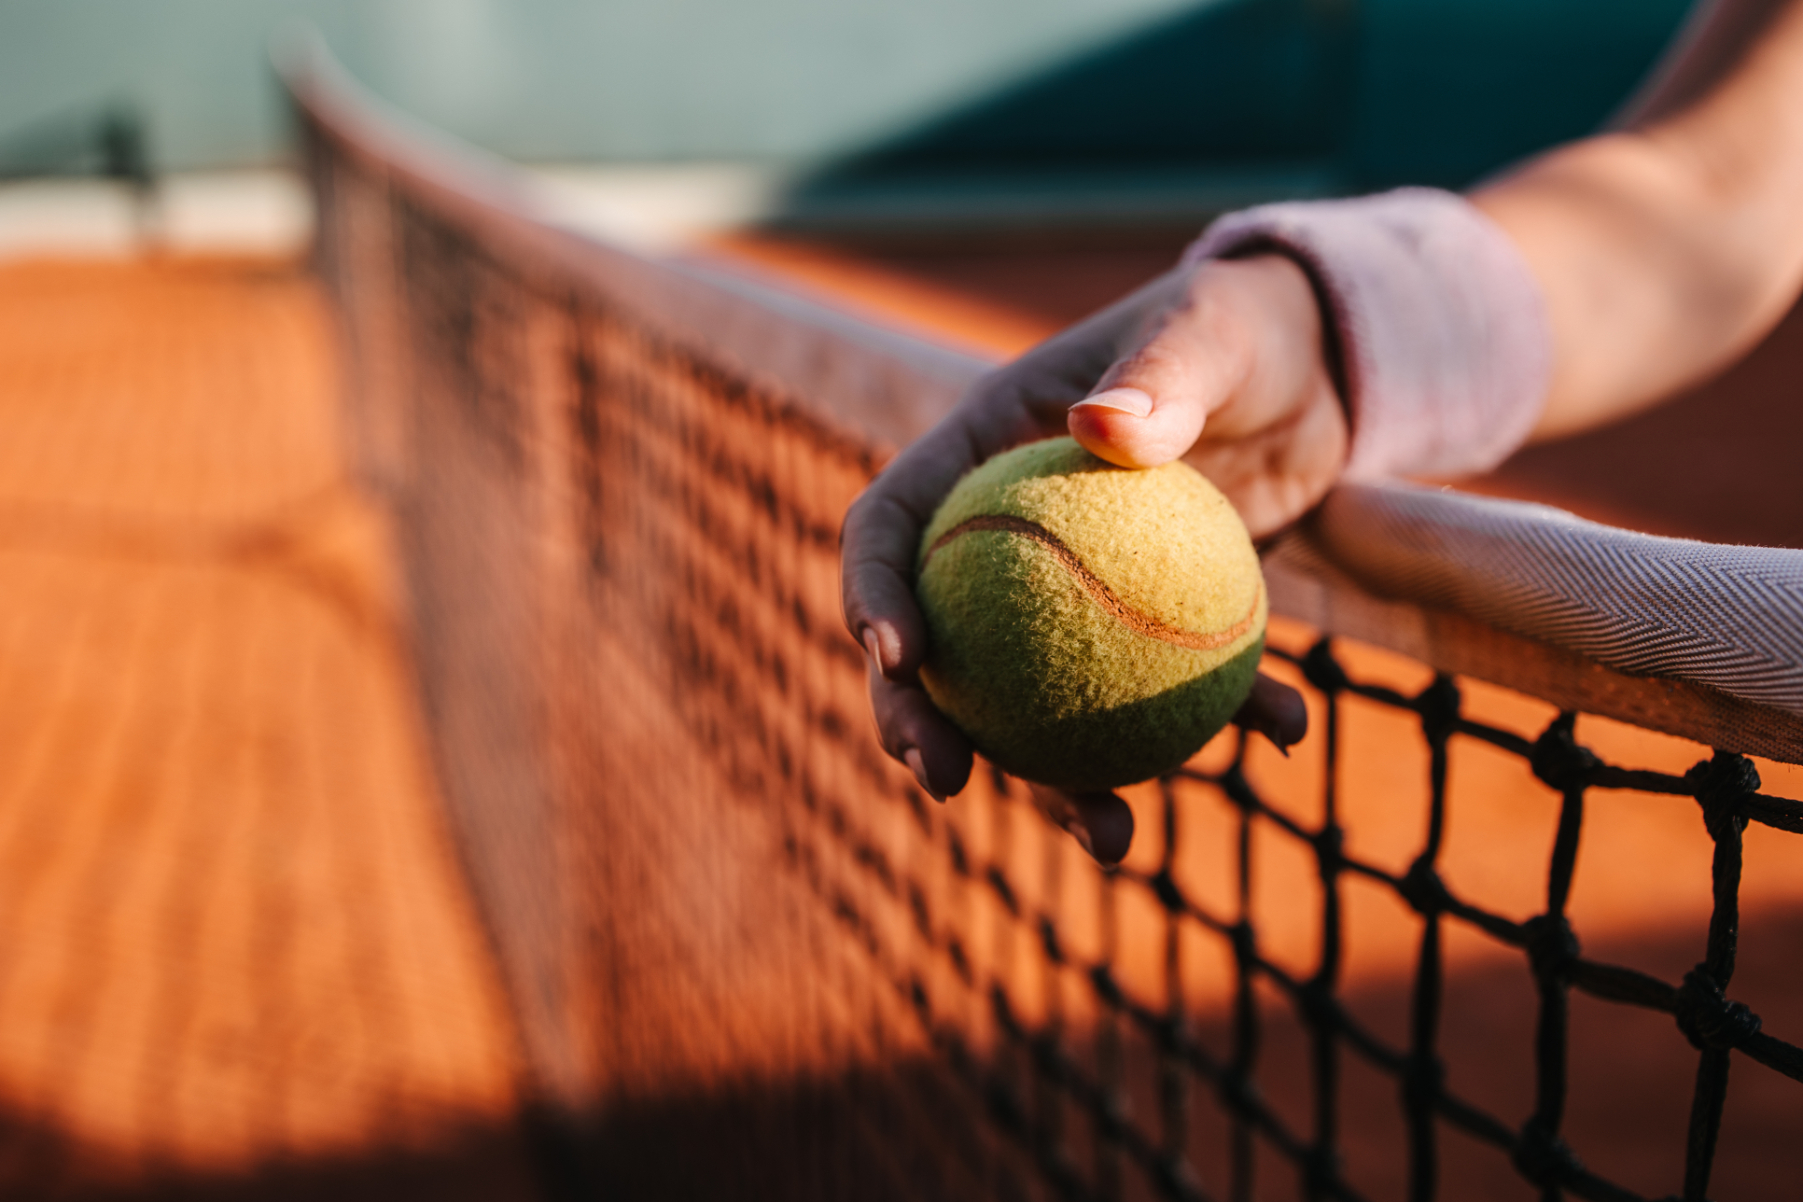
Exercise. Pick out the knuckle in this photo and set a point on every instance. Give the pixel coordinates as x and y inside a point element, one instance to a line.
<point>1158,355</point>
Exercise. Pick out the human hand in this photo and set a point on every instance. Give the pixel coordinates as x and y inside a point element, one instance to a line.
<point>1221,364</point>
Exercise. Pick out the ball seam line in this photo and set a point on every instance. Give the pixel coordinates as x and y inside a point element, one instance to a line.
<point>1136,620</point>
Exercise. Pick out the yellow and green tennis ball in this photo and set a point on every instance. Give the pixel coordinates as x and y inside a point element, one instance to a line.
<point>1089,626</point>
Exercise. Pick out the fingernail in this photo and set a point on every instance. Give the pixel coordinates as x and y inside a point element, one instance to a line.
<point>918,766</point>
<point>1080,833</point>
<point>873,648</point>
<point>1122,400</point>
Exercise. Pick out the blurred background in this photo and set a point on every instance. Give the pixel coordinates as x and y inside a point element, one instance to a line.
<point>1359,93</point>
<point>238,957</point>
<point>871,114</point>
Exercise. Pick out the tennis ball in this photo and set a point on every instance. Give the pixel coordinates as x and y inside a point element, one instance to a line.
<point>1089,626</point>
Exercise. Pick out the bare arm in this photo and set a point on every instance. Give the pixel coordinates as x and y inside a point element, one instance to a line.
<point>1668,247</point>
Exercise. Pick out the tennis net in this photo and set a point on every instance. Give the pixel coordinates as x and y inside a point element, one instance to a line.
<point>749,958</point>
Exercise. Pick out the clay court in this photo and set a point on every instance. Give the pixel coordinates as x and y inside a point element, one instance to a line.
<point>240,957</point>
<point>243,959</point>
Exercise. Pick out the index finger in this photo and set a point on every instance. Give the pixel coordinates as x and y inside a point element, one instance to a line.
<point>882,529</point>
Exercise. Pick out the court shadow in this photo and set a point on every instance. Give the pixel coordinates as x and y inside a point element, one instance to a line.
<point>502,1162</point>
<point>966,1125</point>
<point>1001,1126</point>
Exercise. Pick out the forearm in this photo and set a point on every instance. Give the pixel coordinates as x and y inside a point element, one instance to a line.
<point>1667,249</point>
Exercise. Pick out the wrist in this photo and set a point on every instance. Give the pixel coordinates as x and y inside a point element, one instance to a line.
<point>1434,322</point>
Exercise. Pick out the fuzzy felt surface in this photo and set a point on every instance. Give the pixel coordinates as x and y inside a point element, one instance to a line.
<point>1089,626</point>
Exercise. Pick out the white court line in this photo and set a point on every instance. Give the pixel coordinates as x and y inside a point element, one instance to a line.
<point>231,212</point>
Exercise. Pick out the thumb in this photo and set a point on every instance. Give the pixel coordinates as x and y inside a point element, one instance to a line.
<point>1150,406</point>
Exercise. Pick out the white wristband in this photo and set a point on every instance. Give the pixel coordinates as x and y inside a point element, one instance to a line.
<point>1440,327</point>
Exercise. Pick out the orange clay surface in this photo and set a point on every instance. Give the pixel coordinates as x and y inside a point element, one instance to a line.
<point>238,954</point>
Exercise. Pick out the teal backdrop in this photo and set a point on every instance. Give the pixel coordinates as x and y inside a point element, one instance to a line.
<point>1377,91</point>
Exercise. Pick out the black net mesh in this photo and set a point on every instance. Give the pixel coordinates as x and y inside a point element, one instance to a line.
<point>751,959</point>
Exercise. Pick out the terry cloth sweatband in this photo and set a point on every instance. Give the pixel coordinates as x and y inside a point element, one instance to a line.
<point>1439,327</point>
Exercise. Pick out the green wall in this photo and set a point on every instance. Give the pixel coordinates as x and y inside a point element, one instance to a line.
<point>1387,90</point>
<point>778,80</point>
